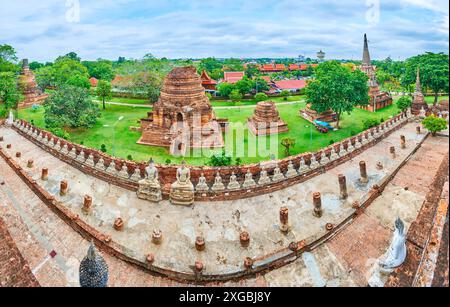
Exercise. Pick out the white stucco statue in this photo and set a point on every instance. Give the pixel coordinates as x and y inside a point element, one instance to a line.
<point>10,120</point>
<point>396,254</point>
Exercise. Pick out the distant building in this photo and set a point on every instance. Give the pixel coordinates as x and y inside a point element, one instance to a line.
<point>233,77</point>
<point>93,81</point>
<point>292,86</point>
<point>272,68</point>
<point>321,55</point>
<point>208,83</point>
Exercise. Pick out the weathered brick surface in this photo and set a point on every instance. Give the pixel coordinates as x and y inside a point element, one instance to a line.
<point>14,270</point>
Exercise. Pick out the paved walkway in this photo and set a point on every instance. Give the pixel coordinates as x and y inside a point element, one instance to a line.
<point>345,260</point>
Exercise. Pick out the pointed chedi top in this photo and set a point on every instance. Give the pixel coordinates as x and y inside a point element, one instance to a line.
<point>93,270</point>
<point>418,84</point>
<point>366,55</point>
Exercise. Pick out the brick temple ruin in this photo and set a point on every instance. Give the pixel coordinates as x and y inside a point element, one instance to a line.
<point>30,90</point>
<point>378,99</point>
<point>183,117</point>
<point>266,120</point>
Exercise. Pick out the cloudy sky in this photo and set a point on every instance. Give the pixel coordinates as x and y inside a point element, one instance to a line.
<point>43,29</point>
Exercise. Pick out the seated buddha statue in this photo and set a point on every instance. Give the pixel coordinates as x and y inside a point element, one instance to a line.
<point>149,187</point>
<point>182,191</point>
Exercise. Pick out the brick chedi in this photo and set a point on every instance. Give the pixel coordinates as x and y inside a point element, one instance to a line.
<point>266,120</point>
<point>30,90</point>
<point>183,117</point>
<point>418,98</point>
<point>378,99</point>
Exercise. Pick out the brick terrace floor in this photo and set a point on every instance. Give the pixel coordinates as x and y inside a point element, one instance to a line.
<point>344,261</point>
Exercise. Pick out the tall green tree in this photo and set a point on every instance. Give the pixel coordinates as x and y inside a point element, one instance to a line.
<point>70,106</point>
<point>103,92</point>
<point>337,88</point>
<point>9,92</point>
<point>225,89</point>
<point>8,59</point>
<point>434,70</point>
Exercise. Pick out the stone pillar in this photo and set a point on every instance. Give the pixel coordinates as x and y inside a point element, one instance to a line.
<point>403,142</point>
<point>418,130</point>
<point>317,202</point>
<point>30,163</point>
<point>87,204</point>
<point>18,154</point>
<point>198,267</point>
<point>343,186</point>
<point>9,146</point>
<point>119,224</point>
<point>64,187</point>
<point>392,151</point>
<point>284,219</point>
<point>157,237</point>
<point>363,170</point>
<point>200,244</point>
<point>245,239</point>
<point>44,175</point>
<point>1,139</point>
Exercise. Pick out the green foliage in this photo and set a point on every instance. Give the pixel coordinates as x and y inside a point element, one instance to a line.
<point>252,71</point>
<point>244,86</point>
<point>103,92</point>
<point>61,133</point>
<point>65,70</point>
<point>8,59</point>
<point>103,148</point>
<point>261,97</point>
<point>434,72</point>
<point>9,91</point>
<point>370,123</point>
<point>260,84</point>
<point>101,69</point>
<point>404,103</point>
<point>70,106</point>
<point>288,143</point>
<point>79,81</point>
<point>168,162</point>
<point>238,161</point>
<point>222,160</point>
<point>225,89</point>
<point>236,95</point>
<point>208,95</point>
<point>212,66</point>
<point>130,158</point>
<point>434,124</point>
<point>285,93</point>
<point>337,88</point>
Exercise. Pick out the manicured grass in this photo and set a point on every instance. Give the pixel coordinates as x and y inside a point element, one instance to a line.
<point>129,100</point>
<point>125,140</point>
<point>430,99</point>
<point>250,102</point>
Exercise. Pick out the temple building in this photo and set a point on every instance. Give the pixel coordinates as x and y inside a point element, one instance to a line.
<point>30,90</point>
<point>208,83</point>
<point>266,120</point>
<point>183,117</point>
<point>418,98</point>
<point>378,99</point>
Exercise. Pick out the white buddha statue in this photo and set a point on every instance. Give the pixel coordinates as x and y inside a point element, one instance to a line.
<point>149,187</point>
<point>182,190</point>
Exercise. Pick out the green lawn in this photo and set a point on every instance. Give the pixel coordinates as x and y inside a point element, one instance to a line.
<point>247,102</point>
<point>125,140</point>
<point>430,99</point>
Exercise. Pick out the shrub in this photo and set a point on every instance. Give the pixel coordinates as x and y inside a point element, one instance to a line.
<point>222,160</point>
<point>382,120</point>
<point>288,143</point>
<point>103,148</point>
<point>168,162</point>
<point>370,123</point>
<point>59,133</point>
<point>208,95</point>
<point>404,103</point>
<point>434,124</point>
<point>235,96</point>
<point>352,133</point>
<point>130,158</point>
<point>332,142</point>
<point>238,161</point>
<point>261,97</point>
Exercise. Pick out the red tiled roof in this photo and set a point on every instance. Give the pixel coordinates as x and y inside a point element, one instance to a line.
<point>233,76</point>
<point>207,80</point>
<point>294,67</point>
<point>93,81</point>
<point>303,67</point>
<point>290,84</point>
<point>280,67</point>
<point>268,79</point>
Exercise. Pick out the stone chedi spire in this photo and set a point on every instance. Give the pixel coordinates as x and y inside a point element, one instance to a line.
<point>183,110</point>
<point>93,270</point>
<point>418,98</point>
<point>266,120</point>
<point>30,90</point>
<point>366,54</point>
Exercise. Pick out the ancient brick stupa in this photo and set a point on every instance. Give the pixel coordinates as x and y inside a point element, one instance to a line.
<point>31,92</point>
<point>183,117</point>
<point>378,99</point>
<point>419,102</point>
<point>266,120</point>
